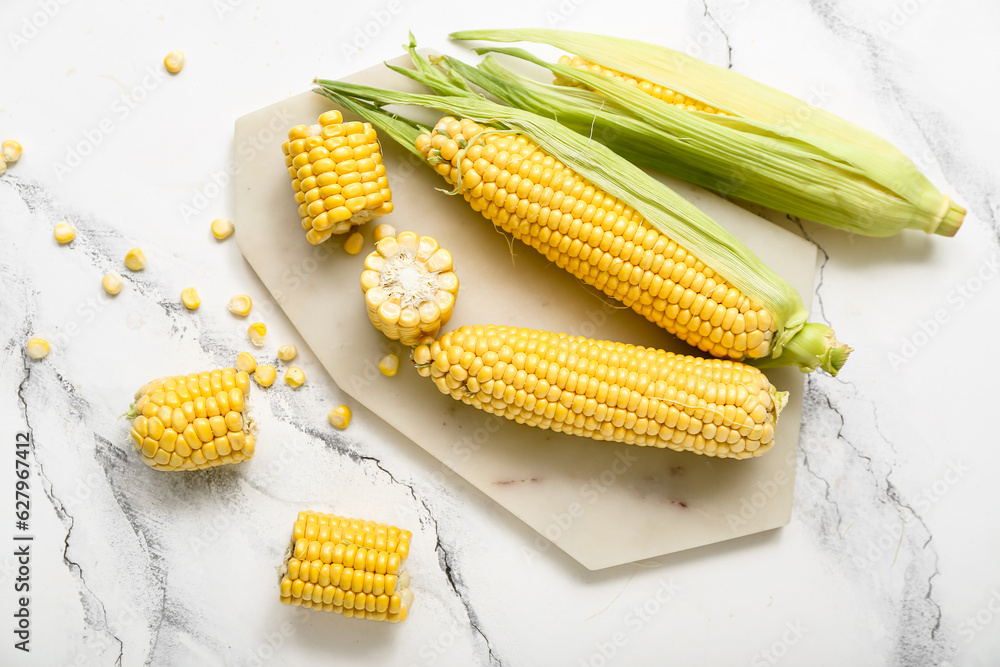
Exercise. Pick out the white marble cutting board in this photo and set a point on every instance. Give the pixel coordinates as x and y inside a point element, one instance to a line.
<point>604,504</point>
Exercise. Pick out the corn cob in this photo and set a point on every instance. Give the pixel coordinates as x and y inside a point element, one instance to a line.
<point>195,421</point>
<point>409,287</point>
<point>347,566</point>
<point>605,390</point>
<point>337,174</point>
<point>752,142</point>
<point>610,224</point>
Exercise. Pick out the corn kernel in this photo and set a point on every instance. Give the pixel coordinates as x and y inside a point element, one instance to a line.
<point>11,151</point>
<point>64,232</point>
<point>354,243</point>
<point>256,333</point>
<point>264,375</point>
<point>222,228</point>
<point>190,298</point>
<point>37,348</point>
<point>3,166</point>
<point>240,305</point>
<point>112,283</point>
<point>384,230</point>
<point>174,61</point>
<point>340,416</point>
<point>246,362</point>
<point>135,259</point>
<point>287,352</point>
<point>294,376</point>
<point>388,365</point>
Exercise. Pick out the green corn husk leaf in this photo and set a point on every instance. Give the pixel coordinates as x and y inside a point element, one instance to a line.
<point>776,150</point>
<point>807,346</point>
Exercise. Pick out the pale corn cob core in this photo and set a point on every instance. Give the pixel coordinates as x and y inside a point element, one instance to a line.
<point>597,238</point>
<point>189,422</point>
<point>337,174</point>
<point>659,92</point>
<point>347,566</point>
<point>409,287</point>
<point>607,391</point>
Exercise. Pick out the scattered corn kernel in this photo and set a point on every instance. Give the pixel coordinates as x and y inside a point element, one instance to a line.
<point>190,298</point>
<point>222,228</point>
<point>3,167</point>
<point>174,61</point>
<point>388,365</point>
<point>112,283</point>
<point>264,375</point>
<point>287,352</point>
<point>246,362</point>
<point>37,348</point>
<point>135,259</point>
<point>340,416</point>
<point>64,232</point>
<point>383,230</point>
<point>354,243</point>
<point>256,332</point>
<point>240,305</point>
<point>11,151</point>
<point>294,376</point>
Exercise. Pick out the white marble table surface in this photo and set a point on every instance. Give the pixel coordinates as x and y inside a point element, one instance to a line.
<point>891,554</point>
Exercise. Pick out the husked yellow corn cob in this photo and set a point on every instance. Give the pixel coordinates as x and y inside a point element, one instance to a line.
<point>659,92</point>
<point>195,421</point>
<point>605,390</point>
<point>347,566</point>
<point>409,286</point>
<point>597,238</point>
<point>337,174</point>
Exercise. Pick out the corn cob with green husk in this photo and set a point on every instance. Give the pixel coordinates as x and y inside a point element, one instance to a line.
<point>721,130</point>
<point>609,224</point>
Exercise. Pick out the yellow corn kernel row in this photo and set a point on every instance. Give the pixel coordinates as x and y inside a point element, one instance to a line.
<point>409,287</point>
<point>337,175</point>
<point>347,566</point>
<point>597,238</point>
<point>605,390</point>
<point>659,92</point>
<point>195,421</point>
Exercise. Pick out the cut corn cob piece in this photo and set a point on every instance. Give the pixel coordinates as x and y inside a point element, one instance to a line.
<point>287,352</point>
<point>337,175</point>
<point>340,416</point>
<point>190,298</point>
<point>222,228</point>
<point>196,421</point>
<point>409,287</point>
<point>37,348</point>
<point>594,213</point>
<point>64,232</point>
<point>767,147</point>
<point>347,566</point>
<point>607,391</point>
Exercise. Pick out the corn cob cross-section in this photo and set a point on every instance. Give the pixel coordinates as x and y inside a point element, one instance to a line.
<point>607,391</point>
<point>195,421</point>
<point>597,238</point>
<point>347,566</point>
<point>410,287</point>
<point>337,174</point>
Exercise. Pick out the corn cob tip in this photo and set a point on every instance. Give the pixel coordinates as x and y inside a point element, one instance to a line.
<point>813,346</point>
<point>952,219</point>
